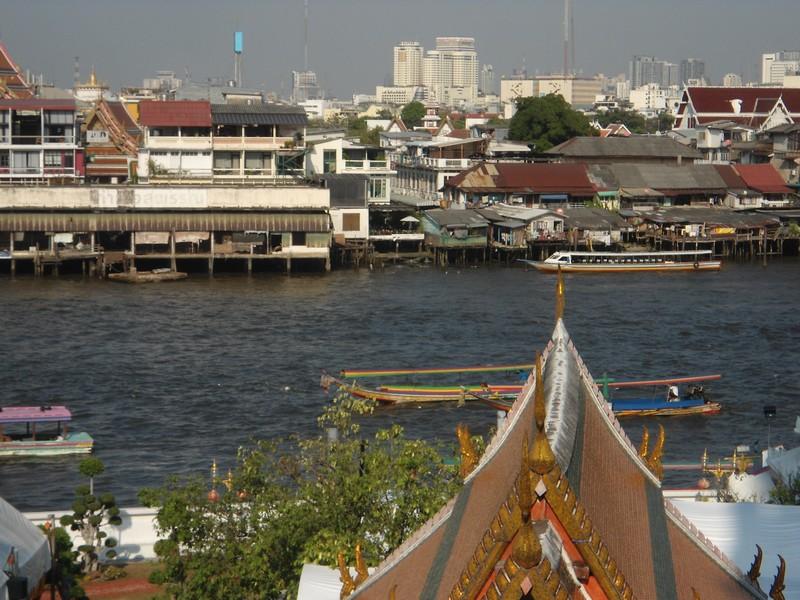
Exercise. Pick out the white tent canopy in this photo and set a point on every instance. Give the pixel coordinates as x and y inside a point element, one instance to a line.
<point>29,543</point>
<point>736,528</point>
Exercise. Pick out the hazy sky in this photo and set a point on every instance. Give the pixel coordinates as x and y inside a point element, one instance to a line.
<point>351,40</point>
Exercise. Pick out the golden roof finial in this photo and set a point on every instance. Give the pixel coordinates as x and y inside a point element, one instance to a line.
<point>755,569</point>
<point>654,460</point>
<point>645,443</point>
<point>228,481</point>
<point>361,567</point>
<point>776,591</point>
<point>469,456</point>
<point>539,409</point>
<point>527,551</point>
<point>561,299</point>
<point>214,472</point>
<point>348,585</point>
<point>695,595</point>
<point>93,78</point>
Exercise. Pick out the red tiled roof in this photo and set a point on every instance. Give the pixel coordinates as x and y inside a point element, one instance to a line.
<point>462,134</point>
<point>566,178</point>
<point>718,99</point>
<point>175,113</point>
<point>38,104</point>
<point>762,178</point>
<point>730,177</point>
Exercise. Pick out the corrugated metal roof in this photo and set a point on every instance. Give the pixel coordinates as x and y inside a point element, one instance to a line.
<point>175,113</point>
<point>456,217</point>
<point>643,146</point>
<point>593,219</point>
<point>710,216</point>
<point>258,114</point>
<point>568,178</point>
<point>163,221</point>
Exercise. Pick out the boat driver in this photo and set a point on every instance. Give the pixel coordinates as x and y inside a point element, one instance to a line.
<point>672,394</point>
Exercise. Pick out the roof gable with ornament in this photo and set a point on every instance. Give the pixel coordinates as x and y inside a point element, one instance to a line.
<point>561,505</point>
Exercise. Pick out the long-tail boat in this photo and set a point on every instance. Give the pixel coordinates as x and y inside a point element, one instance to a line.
<point>694,401</point>
<point>23,439</point>
<point>419,394</point>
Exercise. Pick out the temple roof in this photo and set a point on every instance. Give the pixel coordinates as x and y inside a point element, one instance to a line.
<point>12,82</point>
<point>560,504</point>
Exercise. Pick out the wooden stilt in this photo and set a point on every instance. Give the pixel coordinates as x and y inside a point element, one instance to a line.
<point>173,263</point>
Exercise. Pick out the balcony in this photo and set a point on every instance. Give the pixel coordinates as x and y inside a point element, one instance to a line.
<point>366,165</point>
<point>433,163</point>
<point>255,143</point>
<point>170,142</point>
<point>37,140</point>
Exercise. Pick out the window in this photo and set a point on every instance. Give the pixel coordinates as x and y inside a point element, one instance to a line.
<point>257,163</point>
<point>351,221</point>
<point>52,159</point>
<point>4,159</point>
<point>329,161</point>
<point>377,188</point>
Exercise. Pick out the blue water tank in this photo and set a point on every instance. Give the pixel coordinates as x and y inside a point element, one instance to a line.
<point>238,42</point>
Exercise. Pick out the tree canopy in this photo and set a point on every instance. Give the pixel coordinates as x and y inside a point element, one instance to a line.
<point>295,501</point>
<point>412,114</point>
<point>547,121</point>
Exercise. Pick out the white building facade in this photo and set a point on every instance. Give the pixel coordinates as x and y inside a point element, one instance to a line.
<point>775,66</point>
<point>408,58</point>
<point>450,71</point>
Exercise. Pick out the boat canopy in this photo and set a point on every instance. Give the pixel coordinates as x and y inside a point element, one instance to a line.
<point>34,414</point>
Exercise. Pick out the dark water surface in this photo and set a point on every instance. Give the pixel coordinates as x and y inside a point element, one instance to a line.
<point>168,377</point>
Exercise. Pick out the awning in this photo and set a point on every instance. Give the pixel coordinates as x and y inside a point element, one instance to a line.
<point>166,221</point>
<point>554,197</point>
<point>611,194</point>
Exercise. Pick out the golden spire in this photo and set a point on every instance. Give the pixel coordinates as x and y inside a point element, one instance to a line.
<point>561,299</point>
<point>348,585</point>
<point>776,591</point>
<point>228,481</point>
<point>755,569</point>
<point>469,456</point>
<point>645,442</point>
<point>93,78</point>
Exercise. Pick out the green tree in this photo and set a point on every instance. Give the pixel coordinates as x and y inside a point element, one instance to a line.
<point>663,122</point>
<point>90,514</point>
<point>547,121</point>
<point>786,493</point>
<point>296,501</point>
<point>412,114</point>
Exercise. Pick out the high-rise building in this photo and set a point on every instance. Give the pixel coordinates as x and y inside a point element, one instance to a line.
<point>487,80</point>
<point>304,86</point>
<point>408,58</point>
<point>450,72</point>
<point>775,65</point>
<point>649,69</point>
<point>692,68</point>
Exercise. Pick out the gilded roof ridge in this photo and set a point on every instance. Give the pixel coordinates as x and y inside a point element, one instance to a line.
<point>708,547</point>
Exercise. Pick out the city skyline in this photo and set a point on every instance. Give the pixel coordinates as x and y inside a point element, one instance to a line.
<point>127,46</point>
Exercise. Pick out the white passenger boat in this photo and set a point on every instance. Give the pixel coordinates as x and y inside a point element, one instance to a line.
<point>24,432</point>
<point>612,262</point>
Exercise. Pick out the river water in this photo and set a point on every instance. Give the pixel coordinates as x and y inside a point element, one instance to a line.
<point>168,377</point>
